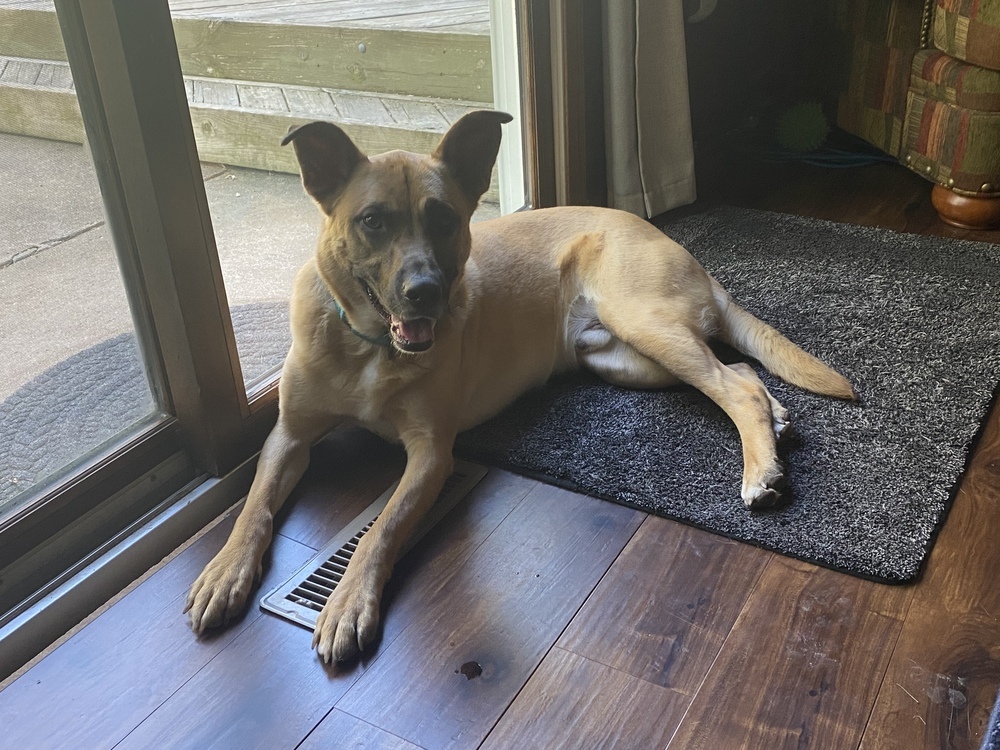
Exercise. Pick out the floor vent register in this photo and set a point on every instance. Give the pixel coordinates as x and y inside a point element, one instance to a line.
<point>301,598</point>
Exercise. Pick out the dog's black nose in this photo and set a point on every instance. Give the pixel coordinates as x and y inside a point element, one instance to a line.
<point>423,291</point>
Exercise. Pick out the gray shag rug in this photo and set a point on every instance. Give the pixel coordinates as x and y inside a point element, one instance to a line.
<point>913,322</point>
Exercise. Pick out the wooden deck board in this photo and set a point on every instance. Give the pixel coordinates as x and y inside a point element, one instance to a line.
<point>372,109</point>
<point>453,16</point>
<point>441,52</point>
<point>21,72</point>
<point>304,102</point>
<point>238,123</point>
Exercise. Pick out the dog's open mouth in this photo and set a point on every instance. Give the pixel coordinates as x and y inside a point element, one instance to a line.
<point>415,335</point>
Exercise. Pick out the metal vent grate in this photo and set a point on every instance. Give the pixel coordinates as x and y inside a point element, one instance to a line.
<point>302,597</point>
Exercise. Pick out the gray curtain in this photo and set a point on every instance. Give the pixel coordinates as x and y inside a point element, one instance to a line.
<point>650,155</point>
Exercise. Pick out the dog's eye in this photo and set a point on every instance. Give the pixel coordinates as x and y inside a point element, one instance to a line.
<point>372,221</point>
<point>442,220</point>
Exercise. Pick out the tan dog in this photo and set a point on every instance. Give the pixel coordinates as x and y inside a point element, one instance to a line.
<point>417,326</point>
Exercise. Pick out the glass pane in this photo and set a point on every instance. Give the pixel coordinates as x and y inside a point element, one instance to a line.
<point>72,380</point>
<point>394,75</point>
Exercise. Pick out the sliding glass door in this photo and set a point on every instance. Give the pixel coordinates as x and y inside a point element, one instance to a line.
<point>153,226</point>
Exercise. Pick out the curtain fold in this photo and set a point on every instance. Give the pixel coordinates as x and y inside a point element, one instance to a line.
<point>649,148</point>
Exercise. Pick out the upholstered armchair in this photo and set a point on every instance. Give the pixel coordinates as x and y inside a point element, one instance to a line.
<point>922,82</point>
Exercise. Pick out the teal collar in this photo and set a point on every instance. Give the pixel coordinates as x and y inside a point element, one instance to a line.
<point>384,340</point>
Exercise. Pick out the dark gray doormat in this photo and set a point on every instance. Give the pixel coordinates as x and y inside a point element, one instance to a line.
<point>913,322</point>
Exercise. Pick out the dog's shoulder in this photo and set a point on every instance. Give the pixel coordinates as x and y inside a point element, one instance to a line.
<point>311,300</point>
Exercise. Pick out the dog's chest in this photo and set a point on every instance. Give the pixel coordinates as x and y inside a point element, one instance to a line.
<point>365,393</point>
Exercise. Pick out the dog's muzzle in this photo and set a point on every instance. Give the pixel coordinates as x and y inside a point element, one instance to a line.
<point>411,335</point>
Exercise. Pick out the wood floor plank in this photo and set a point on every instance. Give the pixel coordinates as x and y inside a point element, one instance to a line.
<point>269,690</point>
<point>340,730</point>
<point>801,666</point>
<point>502,610</point>
<point>664,609</point>
<point>94,689</point>
<point>943,678</point>
<point>266,690</point>
<point>940,686</point>
<point>573,703</point>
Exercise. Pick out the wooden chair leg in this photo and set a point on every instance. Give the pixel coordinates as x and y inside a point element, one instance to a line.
<point>966,211</point>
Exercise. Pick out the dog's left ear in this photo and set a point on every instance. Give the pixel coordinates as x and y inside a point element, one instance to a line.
<point>327,157</point>
<point>469,149</point>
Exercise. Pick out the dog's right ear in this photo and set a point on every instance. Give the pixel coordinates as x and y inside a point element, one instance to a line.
<point>327,157</point>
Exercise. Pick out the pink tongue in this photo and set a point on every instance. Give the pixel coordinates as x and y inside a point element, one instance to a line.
<point>417,331</point>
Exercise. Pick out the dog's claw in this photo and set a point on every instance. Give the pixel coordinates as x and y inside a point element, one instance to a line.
<point>781,421</point>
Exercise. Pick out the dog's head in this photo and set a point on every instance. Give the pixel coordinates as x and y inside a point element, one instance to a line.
<point>396,235</point>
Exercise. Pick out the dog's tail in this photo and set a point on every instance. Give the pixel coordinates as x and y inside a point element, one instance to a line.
<point>780,356</point>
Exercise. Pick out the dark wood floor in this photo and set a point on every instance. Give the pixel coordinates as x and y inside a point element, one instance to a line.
<point>596,626</point>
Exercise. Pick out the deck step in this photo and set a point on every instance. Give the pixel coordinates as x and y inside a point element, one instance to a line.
<point>409,54</point>
<point>240,123</point>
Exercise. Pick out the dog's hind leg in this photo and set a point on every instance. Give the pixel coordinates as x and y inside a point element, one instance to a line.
<point>780,420</point>
<point>618,363</point>
<point>606,355</point>
<point>681,352</point>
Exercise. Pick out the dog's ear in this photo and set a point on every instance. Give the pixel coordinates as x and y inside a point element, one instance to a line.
<point>327,157</point>
<point>470,147</point>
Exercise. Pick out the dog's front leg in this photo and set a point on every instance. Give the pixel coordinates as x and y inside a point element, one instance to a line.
<point>220,593</point>
<point>349,621</point>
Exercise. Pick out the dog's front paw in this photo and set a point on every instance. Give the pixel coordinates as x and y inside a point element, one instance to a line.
<point>347,624</point>
<point>220,593</point>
